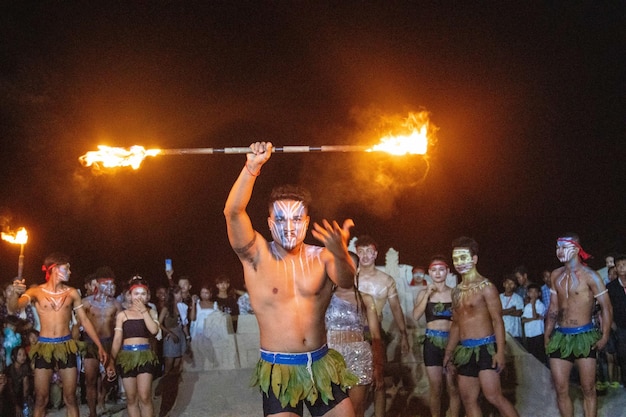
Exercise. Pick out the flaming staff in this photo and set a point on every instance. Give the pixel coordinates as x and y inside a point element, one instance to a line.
<point>19,238</point>
<point>415,141</point>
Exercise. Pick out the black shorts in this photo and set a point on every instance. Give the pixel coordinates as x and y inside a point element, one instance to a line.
<point>433,355</point>
<point>41,363</point>
<point>483,362</point>
<point>146,368</point>
<point>271,404</point>
<point>593,353</point>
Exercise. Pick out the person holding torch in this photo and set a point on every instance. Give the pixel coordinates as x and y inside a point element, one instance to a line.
<point>55,301</point>
<point>290,285</point>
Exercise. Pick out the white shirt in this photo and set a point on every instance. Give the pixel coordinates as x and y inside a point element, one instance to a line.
<point>535,327</point>
<point>512,324</point>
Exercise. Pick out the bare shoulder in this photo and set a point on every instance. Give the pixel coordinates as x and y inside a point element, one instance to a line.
<point>383,277</point>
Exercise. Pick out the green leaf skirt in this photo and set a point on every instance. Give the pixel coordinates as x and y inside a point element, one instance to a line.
<point>462,354</point>
<point>579,345</point>
<point>130,359</point>
<point>58,351</point>
<point>294,383</point>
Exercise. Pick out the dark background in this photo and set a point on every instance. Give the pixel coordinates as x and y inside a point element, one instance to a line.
<point>528,96</point>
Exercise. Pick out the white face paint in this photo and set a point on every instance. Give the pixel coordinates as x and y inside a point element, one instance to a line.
<point>63,272</point>
<point>565,251</point>
<point>106,287</point>
<point>367,255</point>
<point>288,223</point>
<point>463,260</point>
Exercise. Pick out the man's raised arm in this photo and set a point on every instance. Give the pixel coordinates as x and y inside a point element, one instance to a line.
<point>241,234</point>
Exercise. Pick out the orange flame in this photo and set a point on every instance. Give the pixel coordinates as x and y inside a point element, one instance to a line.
<point>20,237</point>
<point>413,139</point>
<point>110,157</point>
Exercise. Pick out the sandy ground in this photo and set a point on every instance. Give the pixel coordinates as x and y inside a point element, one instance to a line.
<point>227,394</point>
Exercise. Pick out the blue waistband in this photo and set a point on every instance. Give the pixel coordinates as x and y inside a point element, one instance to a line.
<point>575,330</point>
<point>136,347</point>
<point>294,358</point>
<point>437,333</point>
<point>54,339</point>
<point>478,342</point>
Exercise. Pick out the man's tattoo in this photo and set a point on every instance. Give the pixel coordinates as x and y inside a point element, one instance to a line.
<point>245,248</point>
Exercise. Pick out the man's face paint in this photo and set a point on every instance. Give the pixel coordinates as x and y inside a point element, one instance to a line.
<point>565,251</point>
<point>463,260</point>
<point>288,223</point>
<point>367,255</point>
<point>63,272</point>
<point>106,287</point>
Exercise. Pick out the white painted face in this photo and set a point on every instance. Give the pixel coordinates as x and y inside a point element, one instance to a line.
<point>565,251</point>
<point>106,287</point>
<point>463,260</point>
<point>63,272</point>
<point>139,293</point>
<point>367,255</point>
<point>288,223</point>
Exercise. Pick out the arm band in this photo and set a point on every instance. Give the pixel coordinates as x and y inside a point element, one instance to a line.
<point>552,291</point>
<point>118,329</point>
<point>26,295</point>
<point>600,293</point>
<point>76,308</point>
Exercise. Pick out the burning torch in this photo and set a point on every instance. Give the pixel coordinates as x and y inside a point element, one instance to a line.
<point>20,238</point>
<point>414,139</point>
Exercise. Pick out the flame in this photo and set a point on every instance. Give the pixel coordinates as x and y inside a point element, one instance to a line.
<point>110,157</point>
<point>413,139</point>
<point>20,237</point>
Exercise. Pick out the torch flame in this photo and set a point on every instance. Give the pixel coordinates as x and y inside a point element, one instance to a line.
<point>413,140</point>
<point>110,157</point>
<point>20,237</point>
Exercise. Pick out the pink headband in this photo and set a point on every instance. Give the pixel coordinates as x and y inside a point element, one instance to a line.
<point>581,251</point>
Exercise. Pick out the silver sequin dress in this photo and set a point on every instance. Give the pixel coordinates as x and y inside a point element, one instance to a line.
<point>345,334</point>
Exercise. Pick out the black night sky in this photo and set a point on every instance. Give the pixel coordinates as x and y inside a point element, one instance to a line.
<point>529,98</point>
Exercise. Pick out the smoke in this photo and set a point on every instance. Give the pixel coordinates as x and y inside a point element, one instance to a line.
<point>375,180</point>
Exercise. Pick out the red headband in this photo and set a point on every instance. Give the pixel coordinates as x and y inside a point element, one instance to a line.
<point>581,251</point>
<point>435,263</point>
<point>132,287</point>
<point>47,269</point>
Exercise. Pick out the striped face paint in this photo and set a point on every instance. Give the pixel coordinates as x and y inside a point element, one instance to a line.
<point>288,223</point>
<point>565,250</point>
<point>462,260</point>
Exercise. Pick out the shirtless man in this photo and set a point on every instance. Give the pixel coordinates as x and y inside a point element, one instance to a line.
<point>382,288</point>
<point>477,324</point>
<point>55,301</point>
<point>101,309</point>
<point>574,290</point>
<point>290,285</point>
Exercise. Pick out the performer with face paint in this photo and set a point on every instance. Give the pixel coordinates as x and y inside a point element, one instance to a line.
<point>55,301</point>
<point>290,284</point>
<point>475,348</point>
<point>575,288</point>
<point>101,309</point>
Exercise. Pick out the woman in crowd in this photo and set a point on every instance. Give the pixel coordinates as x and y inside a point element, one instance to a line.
<point>202,346</point>
<point>131,352</point>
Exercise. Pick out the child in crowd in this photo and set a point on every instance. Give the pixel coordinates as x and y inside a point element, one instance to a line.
<point>532,318</point>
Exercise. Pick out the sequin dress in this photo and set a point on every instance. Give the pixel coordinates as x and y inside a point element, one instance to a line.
<point>344,325</point>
